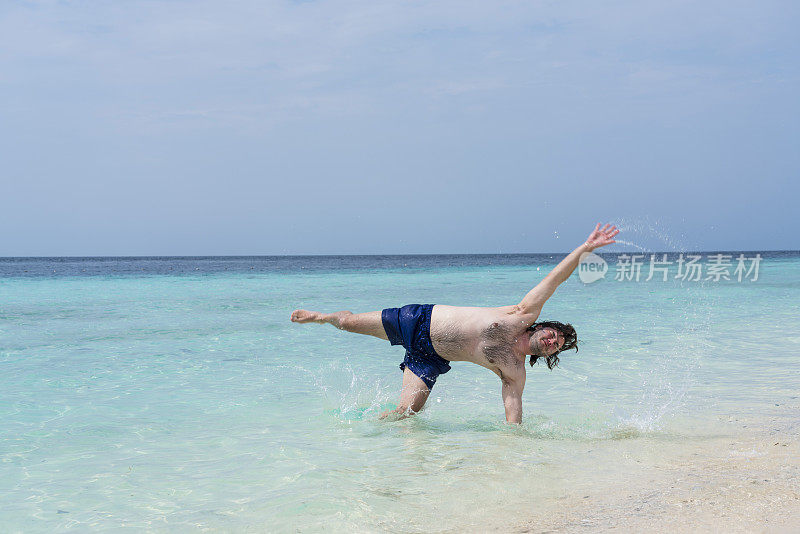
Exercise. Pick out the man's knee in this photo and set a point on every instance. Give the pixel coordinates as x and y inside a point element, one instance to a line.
<point>369,323</point>
<point>346,321</point>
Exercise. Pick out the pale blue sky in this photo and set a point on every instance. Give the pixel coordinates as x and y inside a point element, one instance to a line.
<point>258,127</point>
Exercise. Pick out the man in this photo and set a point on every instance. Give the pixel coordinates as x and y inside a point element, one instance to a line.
<point>499,339</point>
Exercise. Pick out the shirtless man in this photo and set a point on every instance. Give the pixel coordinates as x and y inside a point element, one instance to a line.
<point>499,339</point>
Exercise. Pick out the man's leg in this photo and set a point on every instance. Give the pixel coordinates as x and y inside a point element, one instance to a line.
<point>369,323</point>
<point>414,393</point>
<point>412,397</point>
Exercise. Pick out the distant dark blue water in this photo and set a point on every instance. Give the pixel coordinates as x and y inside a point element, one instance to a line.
<point>183,265</point>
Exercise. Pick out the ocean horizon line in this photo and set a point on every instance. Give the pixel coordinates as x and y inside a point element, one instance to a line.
<point>399,255</point>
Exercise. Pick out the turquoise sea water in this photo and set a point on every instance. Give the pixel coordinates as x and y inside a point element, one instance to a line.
<point>174,394</point>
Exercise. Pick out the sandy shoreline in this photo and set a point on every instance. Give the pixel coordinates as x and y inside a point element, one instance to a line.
<point>747,485</point>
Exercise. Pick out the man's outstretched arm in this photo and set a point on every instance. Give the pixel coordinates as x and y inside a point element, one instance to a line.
<point>536,297</point>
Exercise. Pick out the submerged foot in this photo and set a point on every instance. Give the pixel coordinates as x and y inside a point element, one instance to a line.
<point>397,414</point>
<point>305,316</point>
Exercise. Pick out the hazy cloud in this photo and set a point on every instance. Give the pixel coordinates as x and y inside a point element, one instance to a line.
<point>279,117</point>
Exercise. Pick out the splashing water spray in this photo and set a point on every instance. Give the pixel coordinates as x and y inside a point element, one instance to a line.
<point>666,383</point>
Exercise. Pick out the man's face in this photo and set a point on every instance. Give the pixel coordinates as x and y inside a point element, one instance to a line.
<point>546,341</point>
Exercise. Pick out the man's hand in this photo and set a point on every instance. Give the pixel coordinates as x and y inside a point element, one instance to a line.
<point>601,237</point>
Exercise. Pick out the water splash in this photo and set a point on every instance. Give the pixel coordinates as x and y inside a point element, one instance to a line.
<point>632,244</point>
<point>657,230</point>
<point>350,395</point>
<point>667,383</point>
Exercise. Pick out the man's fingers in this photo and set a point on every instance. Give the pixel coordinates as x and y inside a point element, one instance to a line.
<point>608,231</point>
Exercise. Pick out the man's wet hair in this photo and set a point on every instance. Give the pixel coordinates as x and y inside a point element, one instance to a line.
<point>570,340</point>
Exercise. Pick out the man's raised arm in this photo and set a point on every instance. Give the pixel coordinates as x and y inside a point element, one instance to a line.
<point>536,297</point>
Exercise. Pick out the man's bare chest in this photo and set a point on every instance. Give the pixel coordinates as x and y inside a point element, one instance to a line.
<point>486,340</point>
<point>496,344</point>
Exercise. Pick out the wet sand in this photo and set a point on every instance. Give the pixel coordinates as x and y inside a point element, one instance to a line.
<point>727,485</point>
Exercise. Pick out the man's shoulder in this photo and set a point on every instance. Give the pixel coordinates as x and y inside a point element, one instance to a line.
<point>510,319</point>
<point>517,315</point>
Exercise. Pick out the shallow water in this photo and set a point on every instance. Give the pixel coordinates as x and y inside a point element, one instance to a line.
<point>174,393</point>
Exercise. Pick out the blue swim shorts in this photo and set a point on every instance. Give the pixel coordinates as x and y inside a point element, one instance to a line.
<point>410,326</point>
